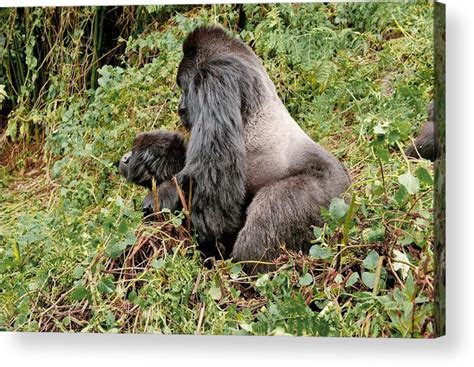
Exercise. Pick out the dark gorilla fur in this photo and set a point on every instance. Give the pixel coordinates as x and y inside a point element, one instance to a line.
<point>425,144</point>
<point>159,154</point>
<point>256,176</point>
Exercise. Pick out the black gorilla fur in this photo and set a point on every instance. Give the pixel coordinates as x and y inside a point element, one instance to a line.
<point>159,154</point>
<point>425,144</point>
<point>256,176</point>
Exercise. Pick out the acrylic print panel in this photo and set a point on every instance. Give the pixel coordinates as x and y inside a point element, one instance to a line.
<point>160,172</point>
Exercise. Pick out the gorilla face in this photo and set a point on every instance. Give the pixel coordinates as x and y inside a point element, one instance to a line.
<point>160,155</point>
<point>123,164</point>
<point>135,170</point>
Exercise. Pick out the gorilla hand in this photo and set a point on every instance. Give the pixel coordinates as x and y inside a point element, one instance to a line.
<point>167,196</point>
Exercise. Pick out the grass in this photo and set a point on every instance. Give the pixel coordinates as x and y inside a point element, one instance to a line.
<point>75,254</point>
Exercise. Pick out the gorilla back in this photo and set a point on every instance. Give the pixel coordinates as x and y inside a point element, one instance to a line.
<point>246,148</point>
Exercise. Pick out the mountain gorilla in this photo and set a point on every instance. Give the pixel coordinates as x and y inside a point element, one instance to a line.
<point>426,142</point>
<point>258,181</point>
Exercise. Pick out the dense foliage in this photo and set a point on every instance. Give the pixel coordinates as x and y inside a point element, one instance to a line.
<point>75,254</point>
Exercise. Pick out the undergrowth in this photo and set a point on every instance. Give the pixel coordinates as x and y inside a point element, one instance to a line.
<point>75,254</point>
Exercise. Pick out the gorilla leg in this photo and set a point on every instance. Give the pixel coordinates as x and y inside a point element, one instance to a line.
<point>280,214</point>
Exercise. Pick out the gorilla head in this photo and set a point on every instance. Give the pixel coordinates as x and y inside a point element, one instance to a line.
<point>159,154</point>
<point>239,74</point>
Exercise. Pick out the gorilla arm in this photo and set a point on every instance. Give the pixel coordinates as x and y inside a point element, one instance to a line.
<point>215,158</point>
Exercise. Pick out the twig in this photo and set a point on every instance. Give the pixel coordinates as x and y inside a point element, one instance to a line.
<point>180,194</point>
<point>156,202</point>
<point>378,272</point>
<point>201,317</point>
<point>383,178</point>
<point>190,198</point>
<point>196,284</point>
<point>395,273</point>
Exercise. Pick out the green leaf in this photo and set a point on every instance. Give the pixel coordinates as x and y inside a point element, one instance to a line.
<point>106,285</point>
<point>157,263</point>
<point>393,136</point>
<point>410,182</point>
<point>262,281</point>
<point>78,272</point>
<point>215,293</point>
<point>115,249</point>
<point>352,279</point>
<point>317,233</point>
<point>319,252</point>
<point>338,208</point>
<point>424,176</point>
<point>66,321</point>
<point>401,195</point>
<point>122,228</point>
<point>370,262</point>
<point>368,279</point>
<point>132,296</point>
<point>375,234</point>
<point>12,129</point>
<point>177,221</point>
<point>80,293</point>
<point>405,240</point>
<point>235,269</point>
<point>58,167</point>
<point>409,289</point>
<point>382,153</point>
<point>305,280</point>
<point>338,279</point>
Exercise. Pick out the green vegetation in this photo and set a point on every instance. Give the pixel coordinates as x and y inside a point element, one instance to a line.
<point>74,252</point>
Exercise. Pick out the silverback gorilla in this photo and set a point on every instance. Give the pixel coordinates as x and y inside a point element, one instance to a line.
<point>258,181</point>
